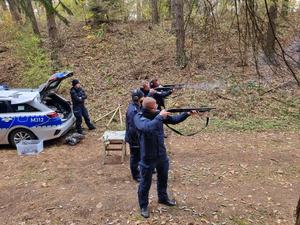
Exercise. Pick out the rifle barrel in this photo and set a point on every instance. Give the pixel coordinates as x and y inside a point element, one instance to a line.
<point>174,85</point>
<point>169,87</point>
<point>163,88</point>
<point>201,109</point>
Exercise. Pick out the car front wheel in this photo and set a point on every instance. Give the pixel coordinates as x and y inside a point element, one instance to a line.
<point>20,134</point>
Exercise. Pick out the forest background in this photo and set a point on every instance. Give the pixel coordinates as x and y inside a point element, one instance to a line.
<point>240,56</point>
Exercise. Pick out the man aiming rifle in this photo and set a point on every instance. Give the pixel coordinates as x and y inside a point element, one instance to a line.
<point>149,123</point>
<point>148,88</point>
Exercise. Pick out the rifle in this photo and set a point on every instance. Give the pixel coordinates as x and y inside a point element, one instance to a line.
<point>169,87</point>
<point>174,85</point>
<point>201,109</point>
<point>181,110</point>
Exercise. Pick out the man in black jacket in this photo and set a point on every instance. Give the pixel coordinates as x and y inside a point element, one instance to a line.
<point>78,97</point>
<point>159,96</point>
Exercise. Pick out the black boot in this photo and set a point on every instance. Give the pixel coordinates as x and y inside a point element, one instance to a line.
<point>145,212</point>
<point>92,127</point>
<point>167,202</point>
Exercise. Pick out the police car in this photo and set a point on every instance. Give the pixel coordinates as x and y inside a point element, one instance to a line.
<point>34,113</point>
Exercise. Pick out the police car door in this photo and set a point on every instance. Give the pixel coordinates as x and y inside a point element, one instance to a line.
<point>5,119</point>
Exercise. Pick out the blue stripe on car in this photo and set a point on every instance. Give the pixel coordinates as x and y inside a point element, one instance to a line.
<point>29,121</point>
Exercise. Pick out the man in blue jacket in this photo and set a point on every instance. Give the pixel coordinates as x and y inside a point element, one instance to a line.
<point>78,97</point>
<point>131,135</point>
<point>149,123</point>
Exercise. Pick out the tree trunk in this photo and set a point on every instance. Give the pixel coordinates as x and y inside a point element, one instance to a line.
<point>271,34</point>
<point>30,15</point>
<point>181,59</point>
<point>173,16</point>
<point>51,25</point>
<point>3,5</point>
<point>298,213</point>
<point>298,50</point>
<point>53,36</point>
<point>154,12</point>
<point>15,13</point>
<point>169,9</point>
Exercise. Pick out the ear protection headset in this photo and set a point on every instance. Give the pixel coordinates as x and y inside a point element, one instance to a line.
<point>136,95</point>
<point>151,83</point>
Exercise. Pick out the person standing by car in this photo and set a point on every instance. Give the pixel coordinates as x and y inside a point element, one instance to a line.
<point>78,97</point>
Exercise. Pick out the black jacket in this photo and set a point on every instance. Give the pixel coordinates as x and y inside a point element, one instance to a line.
<point>160,98</point>
<point>131,135</point>
<point>78,96</point>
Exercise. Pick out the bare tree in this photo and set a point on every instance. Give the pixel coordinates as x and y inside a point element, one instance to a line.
<point>14,10</point>
<point>51,24</point>
<point>154,12</point>
<point>181,58</point>
<point>269,47</point>
<point>52,33</point>
<point>28,9</point>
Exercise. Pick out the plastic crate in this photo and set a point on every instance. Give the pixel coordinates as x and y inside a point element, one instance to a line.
<point>30,147</point>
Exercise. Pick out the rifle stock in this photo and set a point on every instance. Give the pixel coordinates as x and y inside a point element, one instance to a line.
<point>201,109</point>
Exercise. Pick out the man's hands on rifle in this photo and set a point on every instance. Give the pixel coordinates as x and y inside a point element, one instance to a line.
<point>164,113</point>
<point>192,113</point>
<point>152,91</point>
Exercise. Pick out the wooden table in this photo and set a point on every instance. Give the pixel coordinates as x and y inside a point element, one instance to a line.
<point>114,141</point>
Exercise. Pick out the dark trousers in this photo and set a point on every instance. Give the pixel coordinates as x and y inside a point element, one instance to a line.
<point>146,170</point>
<point>135,156</point>
<point>79,112</point>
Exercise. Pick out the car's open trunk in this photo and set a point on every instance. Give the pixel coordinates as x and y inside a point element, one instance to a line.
<point>59,105</point>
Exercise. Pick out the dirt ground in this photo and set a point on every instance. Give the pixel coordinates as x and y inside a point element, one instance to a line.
<point>216,178</point>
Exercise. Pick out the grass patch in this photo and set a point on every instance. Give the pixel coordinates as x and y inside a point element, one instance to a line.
<point>256,124</point>
<point>36,60</point>
<point>27,48</point>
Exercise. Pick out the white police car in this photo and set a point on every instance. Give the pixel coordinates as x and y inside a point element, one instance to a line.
<point>34,113</point>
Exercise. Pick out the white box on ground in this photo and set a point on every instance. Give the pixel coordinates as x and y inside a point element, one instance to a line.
<point>30,147</point>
